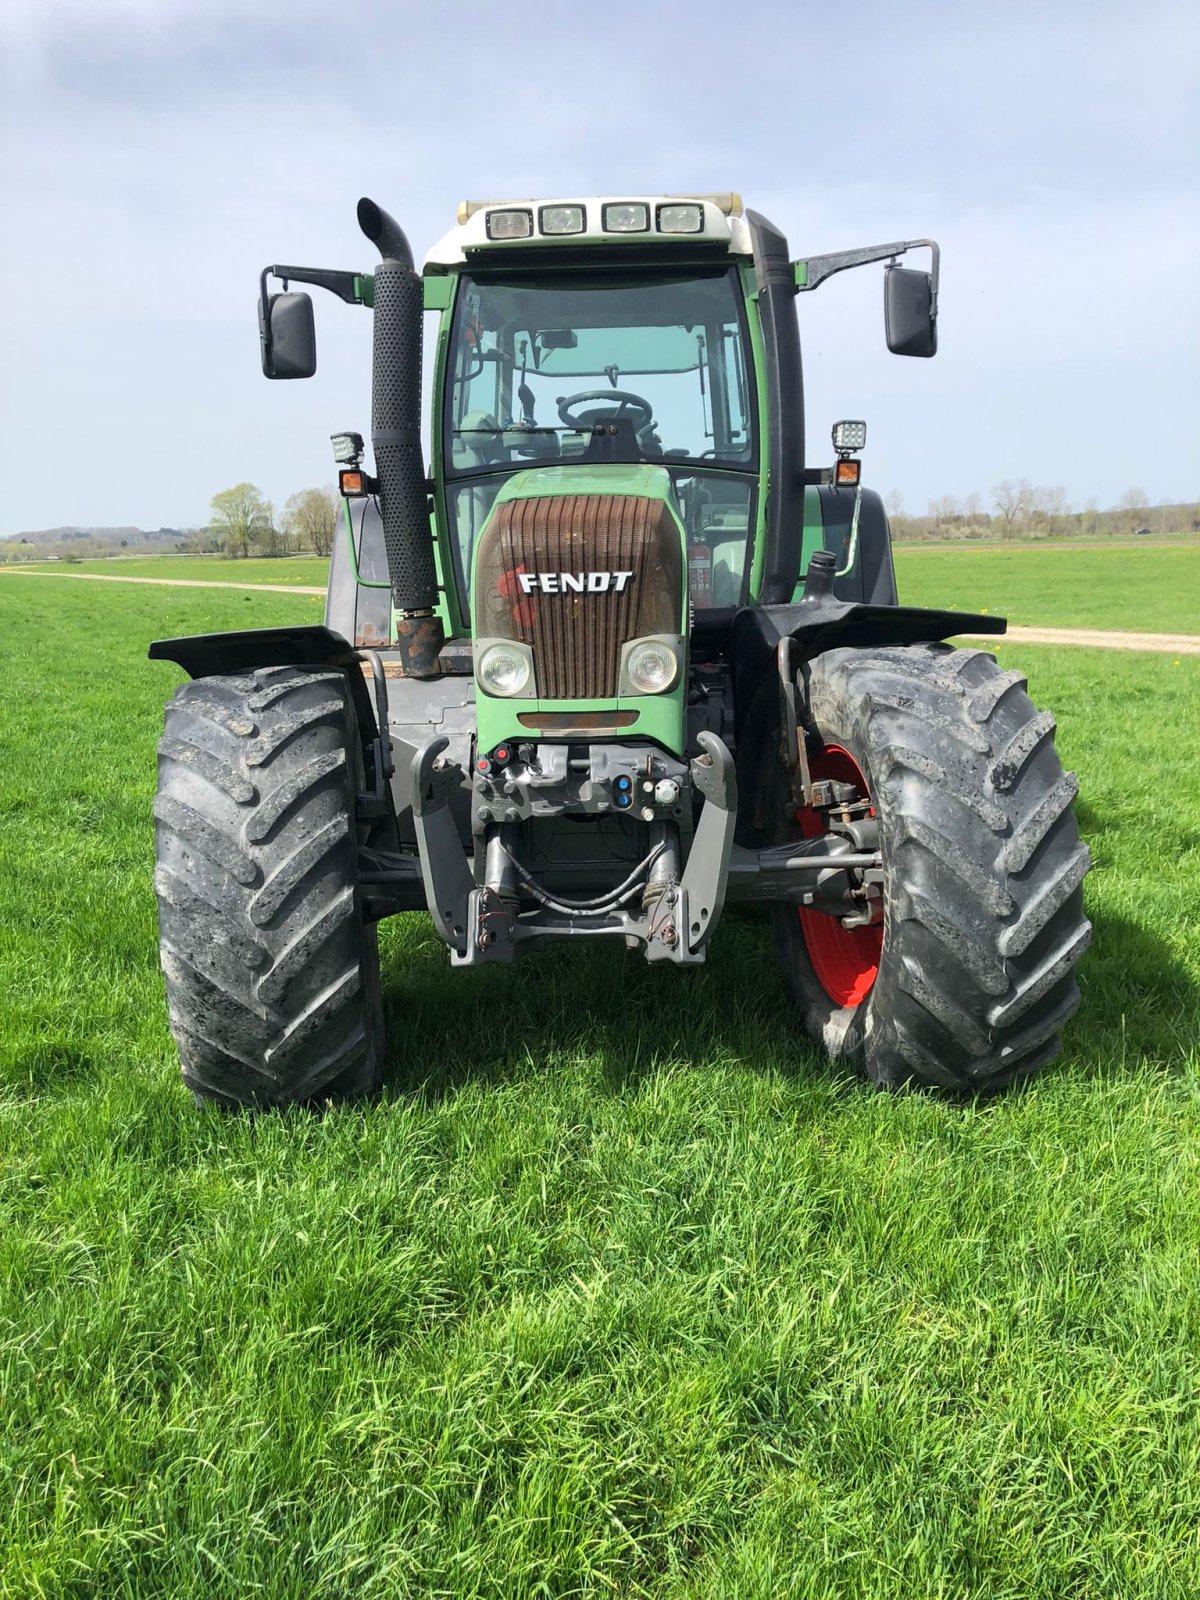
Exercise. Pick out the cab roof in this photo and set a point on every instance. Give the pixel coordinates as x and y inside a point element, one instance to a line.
<point>488,229</point>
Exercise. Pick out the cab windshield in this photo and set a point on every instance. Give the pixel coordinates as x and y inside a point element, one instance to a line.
<point>535,368</point>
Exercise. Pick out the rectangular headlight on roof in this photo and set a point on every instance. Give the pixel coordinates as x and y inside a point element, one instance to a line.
<point>509,224</point>
<point>554,220</point>
<point>627,216</point>
<point>680,219</point>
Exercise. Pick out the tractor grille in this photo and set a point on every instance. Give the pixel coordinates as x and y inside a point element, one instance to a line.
<point>576,638</point>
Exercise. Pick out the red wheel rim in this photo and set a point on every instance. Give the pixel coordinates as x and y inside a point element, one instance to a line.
<point>845,960</point>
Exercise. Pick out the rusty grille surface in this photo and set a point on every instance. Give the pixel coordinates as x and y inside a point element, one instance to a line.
<point>576,638</point>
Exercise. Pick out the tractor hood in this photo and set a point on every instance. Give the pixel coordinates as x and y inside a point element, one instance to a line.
<point>579,578</point>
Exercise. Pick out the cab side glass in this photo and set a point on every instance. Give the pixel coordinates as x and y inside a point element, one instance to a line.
<point>908,312</point>
<point>289,339</point>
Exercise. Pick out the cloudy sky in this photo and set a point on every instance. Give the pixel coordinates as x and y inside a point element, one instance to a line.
<point>154,154</point>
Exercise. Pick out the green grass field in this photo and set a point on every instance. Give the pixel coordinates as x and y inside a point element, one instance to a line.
<point>1147,588</point>
<point>619,1290</point>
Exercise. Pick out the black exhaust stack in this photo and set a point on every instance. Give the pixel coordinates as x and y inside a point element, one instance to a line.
<point>396,437</point>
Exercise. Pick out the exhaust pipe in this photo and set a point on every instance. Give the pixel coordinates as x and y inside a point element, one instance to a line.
<point>396,438</point>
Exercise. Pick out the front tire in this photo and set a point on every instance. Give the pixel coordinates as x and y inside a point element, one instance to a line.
<point>272,976</point>
<point>972,975</point>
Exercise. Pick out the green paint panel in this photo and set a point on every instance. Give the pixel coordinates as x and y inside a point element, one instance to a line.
<point>439,292</point>
<point>648,482</point>
<point>758,548</point>
<point>364,288</point>
<point>660,718</point>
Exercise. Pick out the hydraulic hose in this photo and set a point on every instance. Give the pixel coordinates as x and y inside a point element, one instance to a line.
<point>601,904</point>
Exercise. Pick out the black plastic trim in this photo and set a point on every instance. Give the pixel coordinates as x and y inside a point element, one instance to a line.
<point>515,256</point>
<point>784,422</point>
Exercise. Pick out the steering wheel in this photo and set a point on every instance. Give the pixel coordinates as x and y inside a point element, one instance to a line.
<point>616,403</point>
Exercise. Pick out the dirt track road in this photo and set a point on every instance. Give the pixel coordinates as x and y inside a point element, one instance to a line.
<point>1172,644</point>
<point>167,583</point>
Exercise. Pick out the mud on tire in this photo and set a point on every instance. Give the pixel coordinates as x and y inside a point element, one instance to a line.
<point>983,918</point>
<point>272,977</point>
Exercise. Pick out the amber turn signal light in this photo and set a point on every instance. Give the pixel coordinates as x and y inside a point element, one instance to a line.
<point>352,481</point>
<point>847,472</point>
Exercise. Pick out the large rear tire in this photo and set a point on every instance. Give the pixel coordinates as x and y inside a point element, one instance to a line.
<point>971,976</point>
<point>272,976</point>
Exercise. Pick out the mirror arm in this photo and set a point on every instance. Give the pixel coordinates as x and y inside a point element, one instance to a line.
<point>816,269</point>
<point>352,287</point>
<point>346,285</point>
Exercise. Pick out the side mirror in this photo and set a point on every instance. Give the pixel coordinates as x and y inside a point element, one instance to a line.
<point>288,335</point>
<point>908,312</point>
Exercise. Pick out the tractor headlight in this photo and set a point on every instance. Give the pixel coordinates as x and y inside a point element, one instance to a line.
<point>651,666</point>
<point>504,669</point>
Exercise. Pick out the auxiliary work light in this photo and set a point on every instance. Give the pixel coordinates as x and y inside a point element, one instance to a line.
<point>680,219</point>
<point>347,448</point>
<point>509,224</point>
<point>849,435</point>
<point>554,220</point>
<point>627,216</point>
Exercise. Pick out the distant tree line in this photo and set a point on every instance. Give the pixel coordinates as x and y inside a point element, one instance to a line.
<point>244,523</point>
<point>1017,508</point>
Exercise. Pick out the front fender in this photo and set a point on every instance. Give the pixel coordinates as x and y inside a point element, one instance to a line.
<point>211,655</point>
<point>826,623</point>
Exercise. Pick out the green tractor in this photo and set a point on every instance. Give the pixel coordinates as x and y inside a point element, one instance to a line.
<point>620,658</point>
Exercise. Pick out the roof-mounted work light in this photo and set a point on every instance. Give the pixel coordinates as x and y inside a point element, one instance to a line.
<point>557,220</point>
<point>680,219</point>
<point>626,216</point>
<point>515,224</point>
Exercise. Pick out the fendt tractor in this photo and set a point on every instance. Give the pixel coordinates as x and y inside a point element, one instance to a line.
<point>617,659</point>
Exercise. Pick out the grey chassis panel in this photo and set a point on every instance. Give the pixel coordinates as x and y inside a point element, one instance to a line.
<point>360,611</point>
<point>420,709</point>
